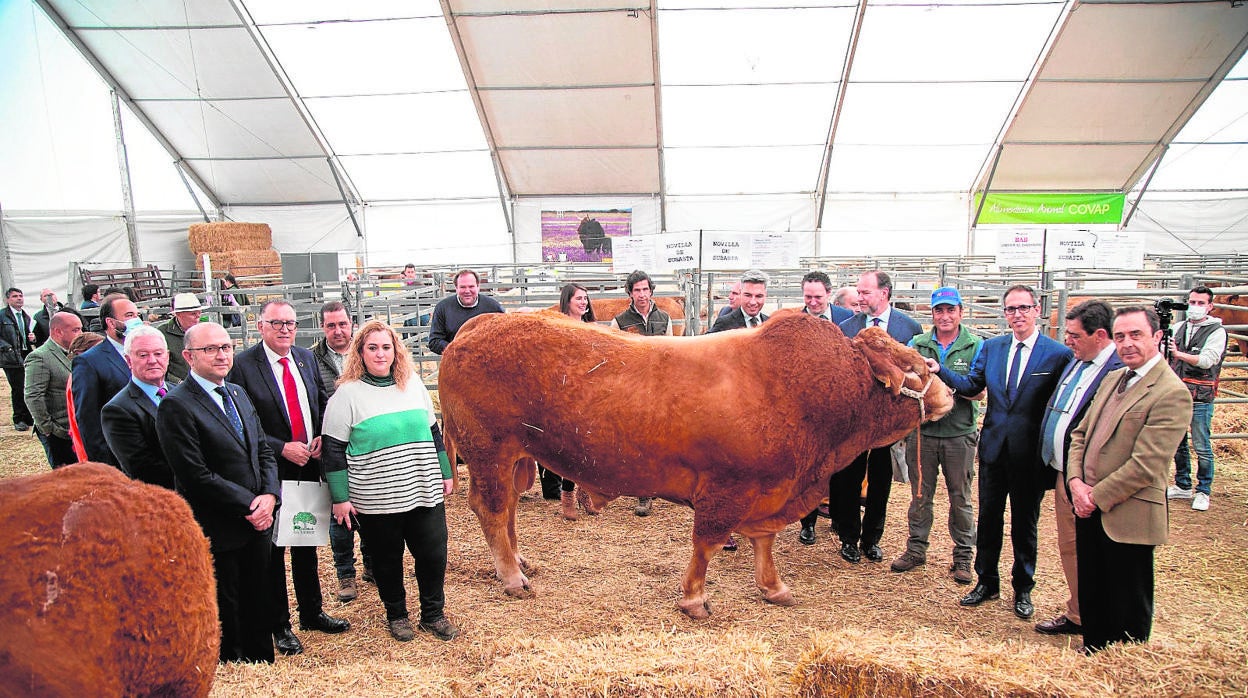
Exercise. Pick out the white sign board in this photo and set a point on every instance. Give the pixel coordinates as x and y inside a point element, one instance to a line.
<point>633,253</point>
<point>1117,250</point>
<point>1069,249</point>
<point>1020,248</point>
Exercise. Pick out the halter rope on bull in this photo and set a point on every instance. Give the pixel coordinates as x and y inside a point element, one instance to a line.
<point>918,446</point>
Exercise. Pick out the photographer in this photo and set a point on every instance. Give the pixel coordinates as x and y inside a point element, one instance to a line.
<point>1196,352</point>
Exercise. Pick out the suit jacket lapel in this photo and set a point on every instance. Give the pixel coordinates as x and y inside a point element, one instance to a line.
<point>270,380</point>
<point>136,393</point>
<point>308,369</point>
<point>209,404</point>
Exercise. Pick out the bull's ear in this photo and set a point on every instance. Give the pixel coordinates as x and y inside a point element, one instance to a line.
<point>880,351</point>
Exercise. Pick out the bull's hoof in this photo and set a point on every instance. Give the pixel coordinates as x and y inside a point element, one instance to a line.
<point>528,568</point>
<point>697,610</point>
<point>587,503</point>
<point>525,591</point>
<point>784,597</point>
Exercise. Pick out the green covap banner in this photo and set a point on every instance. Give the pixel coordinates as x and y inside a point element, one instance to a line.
<point>1051,208</point>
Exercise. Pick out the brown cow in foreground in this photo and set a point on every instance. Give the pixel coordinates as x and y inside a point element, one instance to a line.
<point>745,427</point>
<point>106,588</point>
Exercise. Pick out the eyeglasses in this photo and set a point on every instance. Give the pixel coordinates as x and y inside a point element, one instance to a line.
<point>213,349</point>
<point>1016,309</point>
<point>282,324</point>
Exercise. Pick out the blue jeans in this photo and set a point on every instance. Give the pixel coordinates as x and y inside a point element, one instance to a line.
<point>1202,419</point>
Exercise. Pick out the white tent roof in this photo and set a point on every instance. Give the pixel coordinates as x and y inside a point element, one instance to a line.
<point>836,115</point>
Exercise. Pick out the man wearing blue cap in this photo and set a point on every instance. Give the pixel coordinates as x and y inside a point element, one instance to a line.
<point>948,444</point>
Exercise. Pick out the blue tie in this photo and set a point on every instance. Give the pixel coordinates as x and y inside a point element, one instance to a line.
<point>1051,418</point>
<point>231,412</point>
<point>1012,378</point>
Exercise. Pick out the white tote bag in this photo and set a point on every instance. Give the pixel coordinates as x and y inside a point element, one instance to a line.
<point>304,516</point>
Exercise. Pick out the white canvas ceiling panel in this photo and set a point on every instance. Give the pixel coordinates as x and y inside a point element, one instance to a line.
<point>1066,168</point>
<point>270,181</point>
<point>1214,167</point>
<point>265,128</point>
<point>1159,41</point>
<point>716,47</point>
<point>435,175</point>
<point>582,170</point>
<point>754,115</point>
<point>582,117</point>
<point>777,213</point>
<point>1120,80</point>
<point>148,13</point>
<point>908,168</point>
<point>949,114</point>
<point>408,123</point>
<point>558,50</point>
<point>915,43</point>
<point>368,58</point>
<point>768,170</point>
<point>184,63</point>
<point>322,11</point>
<point>1100,112</point>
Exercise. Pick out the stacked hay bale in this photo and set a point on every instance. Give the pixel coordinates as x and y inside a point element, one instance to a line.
<point>245,249</point>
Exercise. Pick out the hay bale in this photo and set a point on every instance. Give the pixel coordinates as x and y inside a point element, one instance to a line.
<point>227,237</point>
<point>244,262</point>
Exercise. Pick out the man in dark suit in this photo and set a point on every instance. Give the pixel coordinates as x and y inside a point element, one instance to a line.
<point>750,312</point>
<point>129,419</point>
<point>1019,370</point>
<point>860,531</point>
<point>213,442</point>
<point>17,338</point>
<point>48,306</point>
<point>1117,472</point>
<point>1088,327</point>
<point>817,297</point>
<point>284,384</point>
<point>101,373</point>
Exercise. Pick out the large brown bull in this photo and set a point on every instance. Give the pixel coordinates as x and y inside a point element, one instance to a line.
<point>745,427</point>
<point>106,588</point>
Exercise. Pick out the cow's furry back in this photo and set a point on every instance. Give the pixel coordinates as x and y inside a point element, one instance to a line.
<point>106,588</point>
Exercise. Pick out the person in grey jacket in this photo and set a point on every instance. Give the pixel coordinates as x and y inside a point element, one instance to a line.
<point>46,373</point>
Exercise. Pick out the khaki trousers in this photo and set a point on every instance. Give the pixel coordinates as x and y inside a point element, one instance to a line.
<point>1066,545</point>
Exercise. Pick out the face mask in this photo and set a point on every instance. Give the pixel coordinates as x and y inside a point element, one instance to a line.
<point>130,325</point>
<point>1196,313</point>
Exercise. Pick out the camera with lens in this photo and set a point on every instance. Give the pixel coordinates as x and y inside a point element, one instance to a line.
<point>1165,313</point>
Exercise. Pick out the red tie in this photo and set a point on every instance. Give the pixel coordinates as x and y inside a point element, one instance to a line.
<point>297,431</point>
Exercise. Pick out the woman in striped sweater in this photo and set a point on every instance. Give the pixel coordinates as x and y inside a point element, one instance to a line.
<point>388,472</point>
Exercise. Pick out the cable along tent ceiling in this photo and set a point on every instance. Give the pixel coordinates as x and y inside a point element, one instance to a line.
<point>264,102</point>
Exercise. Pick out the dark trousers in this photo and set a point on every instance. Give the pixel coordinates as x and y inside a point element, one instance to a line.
<point>59,451</point>
<point>1115,586</point>
<point>342,543</point>
<point>244,601</point>
<point>1022,485</point>
<point>17,395</point>
<point>423,531</point>
<point>845,489</point>
<point>303,570</point>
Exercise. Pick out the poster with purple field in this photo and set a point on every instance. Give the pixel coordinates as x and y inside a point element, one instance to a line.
<point>583,236</point>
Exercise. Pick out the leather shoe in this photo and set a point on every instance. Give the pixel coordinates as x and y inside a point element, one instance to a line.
<point>1022,605</point>
<point>980,594</point>
<point>287,643</point>
<point>850,553</point>
<point>325,623</point>
<point>807,536</point>
<point>873,553</point>
<point>1060,625</point>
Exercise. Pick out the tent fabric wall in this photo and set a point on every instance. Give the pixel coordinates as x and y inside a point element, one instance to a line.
<point>1208,227</point>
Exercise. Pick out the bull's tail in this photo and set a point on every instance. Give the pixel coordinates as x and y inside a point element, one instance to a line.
<point>452,453</point>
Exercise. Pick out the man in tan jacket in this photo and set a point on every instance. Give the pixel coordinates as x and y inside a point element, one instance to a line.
<point>1117,469</point>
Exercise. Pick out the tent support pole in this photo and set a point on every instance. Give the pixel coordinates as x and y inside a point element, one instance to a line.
<point>1144,189</point>
<point>343,193</point>
<point>992,173</point>
<point>658,114</point>
<point>6,264</point>
<point>825,167</point>
<point>127,195</point>
<point>191,190</point>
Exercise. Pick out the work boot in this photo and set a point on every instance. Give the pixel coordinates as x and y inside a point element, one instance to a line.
<point>567,505</point>
<point>643,506</point>
<point>347,590</point>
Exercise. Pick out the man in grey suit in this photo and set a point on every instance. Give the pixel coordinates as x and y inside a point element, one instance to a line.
<point>1088,327</point>
<point>223,466</point>
<point>47,372</point>
<point>862,532</point>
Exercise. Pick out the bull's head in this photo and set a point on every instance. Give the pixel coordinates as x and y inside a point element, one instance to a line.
<point>902,371</point>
